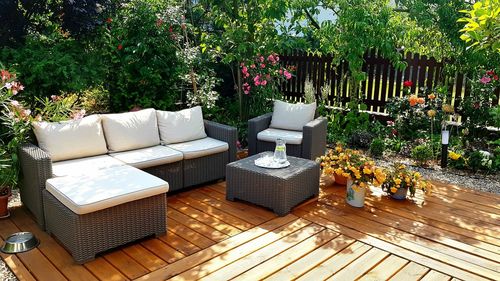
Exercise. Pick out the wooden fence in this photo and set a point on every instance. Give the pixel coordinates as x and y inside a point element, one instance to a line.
<point>383,80</point>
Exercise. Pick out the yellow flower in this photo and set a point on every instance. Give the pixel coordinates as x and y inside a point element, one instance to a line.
<point>357,175</point>
<point>367,170</point>
<point>397,181</point>
<point>417,175</point>
<point>346,175</point>
<point>363,184</point>
<point>394,189</point>
<point>454,156</point>
<point>431,113</point>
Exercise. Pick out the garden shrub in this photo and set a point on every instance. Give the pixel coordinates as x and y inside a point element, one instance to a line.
<point>422,154</point>
<point>377,147</point>
<point>479,160</point>
<point>143,66</point>
<point>360,139</point>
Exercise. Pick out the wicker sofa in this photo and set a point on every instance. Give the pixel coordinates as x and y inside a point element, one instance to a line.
<point>190,167</point>
<point>305,136</point>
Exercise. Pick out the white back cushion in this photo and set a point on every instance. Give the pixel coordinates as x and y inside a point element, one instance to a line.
<point>131,130</point>
<point>71,139</point>
<point>181,126</point>
<point>289,116</point>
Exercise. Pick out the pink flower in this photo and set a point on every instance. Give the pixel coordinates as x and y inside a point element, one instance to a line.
<point>287,74</point>
<point>280,72</point>
<point>261,59</point>
<point>15,103</point>
<point>268,77</point>
<point>238,145</point>
<point>5,75</point>
<point>256,80</point>
<point>246,88</point>
<point>54,98</point>
<point>262,65</point>
<point>244,70</point>
<point>485,80</point>
<point>79,114</point>
<point>263,82</point>
<point>252,66</point>
<point>390,123</point>
<point>271,58</point>
<point>159,22</point>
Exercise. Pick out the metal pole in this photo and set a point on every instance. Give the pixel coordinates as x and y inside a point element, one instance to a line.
<point>444,155</point>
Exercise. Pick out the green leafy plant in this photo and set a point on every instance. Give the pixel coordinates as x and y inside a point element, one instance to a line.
<point>377,147</point>
<point>479,160</point>
<point>360,139</point>
<point>482,25</point>
<point>422,154</point>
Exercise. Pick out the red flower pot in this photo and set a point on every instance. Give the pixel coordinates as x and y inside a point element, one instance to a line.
<point>4,200</point>
<point>339,179</point>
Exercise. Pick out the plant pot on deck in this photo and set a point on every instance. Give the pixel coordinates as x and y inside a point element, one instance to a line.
<point>400,194</point>
<point>341,180</point>
<point>355,195</point>
<point>4,200</point>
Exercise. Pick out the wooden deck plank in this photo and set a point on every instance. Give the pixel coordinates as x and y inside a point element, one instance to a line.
<point>227,207</point>
<point>425,247</point>
<point>232,255</point>
<point>252,260</point>
<point>144,257</point>
<point>196,225</point>
<point>205,218</point>
<point>162,250</point>
<point>104,270</point>
<point>435,276</point>
<point>219,214</point>
<point>16,266</point>
<point>361,265</point>
<point>179,243</point>
<point>469,195</point>
<point>51,249</point>
<point>424,231</point>
<point>218,249</point>
<point>39,266</point>
<point>188,234</point>
<point>312,259</point>
<point>337,262</point>
<point>127,265</point>
<point>287,257</point>
<point>392,248</point>
<point>411,271</point>
<point>386,269</point>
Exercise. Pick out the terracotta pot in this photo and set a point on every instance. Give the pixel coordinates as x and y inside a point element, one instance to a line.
<point>4,200</point>
<point>339,179</point>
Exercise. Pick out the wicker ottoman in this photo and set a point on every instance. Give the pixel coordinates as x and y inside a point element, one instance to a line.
<point>96,212</point>
<point>277,189</point>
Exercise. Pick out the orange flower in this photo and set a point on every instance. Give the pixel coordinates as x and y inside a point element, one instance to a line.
<point>413,100</point>
<point>431,96</point>
<point>421,100</point>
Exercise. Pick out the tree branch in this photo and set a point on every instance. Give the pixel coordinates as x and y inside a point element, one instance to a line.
<point>313,21</point>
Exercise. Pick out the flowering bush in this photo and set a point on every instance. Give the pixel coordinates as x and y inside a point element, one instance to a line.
<point>353,165</point>
<point>261,78</point>
<point>399,177</point>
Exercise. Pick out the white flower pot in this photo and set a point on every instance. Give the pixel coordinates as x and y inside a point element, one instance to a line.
<point>355,195</point>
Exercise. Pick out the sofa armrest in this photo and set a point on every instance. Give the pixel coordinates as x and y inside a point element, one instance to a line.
<point>255,126</point>
<point>223,133</point>
<point>36,168</point>
<point>314,138</point>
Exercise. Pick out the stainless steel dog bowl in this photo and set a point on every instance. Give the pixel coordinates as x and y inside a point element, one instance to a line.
<point>20,242</point>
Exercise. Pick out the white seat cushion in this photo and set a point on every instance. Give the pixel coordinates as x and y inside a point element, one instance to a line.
<point>200,148</point>
<point>289,116</point>
<point>71,139</point>
<point>290,137</point>
<point>104,188</point>
<point>149,157</point>
<point>131,130</point>
<point>181,126</point>
<point>84,165</point>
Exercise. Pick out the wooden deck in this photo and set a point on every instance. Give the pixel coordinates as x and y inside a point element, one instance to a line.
<point>454,234</point>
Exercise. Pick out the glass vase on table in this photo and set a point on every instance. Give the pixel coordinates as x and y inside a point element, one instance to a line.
<point>280,151</point>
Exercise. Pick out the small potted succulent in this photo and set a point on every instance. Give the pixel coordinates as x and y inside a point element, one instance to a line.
<point>400,180</point>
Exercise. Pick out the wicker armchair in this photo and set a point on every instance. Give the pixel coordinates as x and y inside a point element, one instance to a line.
<point>313,138</point>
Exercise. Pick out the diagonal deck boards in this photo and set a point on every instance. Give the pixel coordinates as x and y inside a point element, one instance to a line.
<point>451,234</point>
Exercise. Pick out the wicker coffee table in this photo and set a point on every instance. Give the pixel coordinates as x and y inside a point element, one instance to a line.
<point>277,189</point>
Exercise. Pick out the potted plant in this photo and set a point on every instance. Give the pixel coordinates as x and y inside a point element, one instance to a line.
<point>362,174</point>
<point>334,163</point>
<point>8,179</point>
<point>400,180</point>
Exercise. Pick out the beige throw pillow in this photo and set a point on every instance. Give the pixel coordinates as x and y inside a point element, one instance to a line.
<point>131,130</point>
<point>289,116</point>
<point>71,139</point>
<point>181,126</point>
